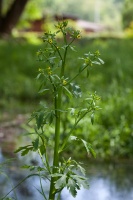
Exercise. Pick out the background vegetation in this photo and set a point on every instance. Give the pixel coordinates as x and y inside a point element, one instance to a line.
<point>112,133</point>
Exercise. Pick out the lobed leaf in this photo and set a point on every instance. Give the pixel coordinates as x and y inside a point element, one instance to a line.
<point>36,143</point>
<point>61,182</point>
<point>39,119</point>
<point>71,185</point>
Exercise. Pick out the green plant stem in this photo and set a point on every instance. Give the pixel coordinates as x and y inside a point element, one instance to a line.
<point>58,97</point>
<point>71,131</point>
<point>77,75</point>
<point>56,147</point>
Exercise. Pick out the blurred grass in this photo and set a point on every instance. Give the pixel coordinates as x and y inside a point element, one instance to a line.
<point>112,134</point>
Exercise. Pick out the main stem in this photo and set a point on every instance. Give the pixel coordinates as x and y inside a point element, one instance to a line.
<point>56,147</point>
<point>57,102</point>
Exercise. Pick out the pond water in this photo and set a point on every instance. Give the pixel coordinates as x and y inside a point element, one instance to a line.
<point>108,181</point>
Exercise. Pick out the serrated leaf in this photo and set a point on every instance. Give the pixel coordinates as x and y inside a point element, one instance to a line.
<point>86,145</point>
<point>81,169</point>
<point>61,182</point>
<point>81,181</point>
<point>39,119</point>
<point>89,148</point>
<point>71,185</point>
<point>42,149</point>
<point>22,148</point>
<point>36,143</point>
<point>93,152</point>
<point>26,151</point>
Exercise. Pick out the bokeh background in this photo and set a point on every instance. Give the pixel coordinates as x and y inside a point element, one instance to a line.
<point>106,26</point>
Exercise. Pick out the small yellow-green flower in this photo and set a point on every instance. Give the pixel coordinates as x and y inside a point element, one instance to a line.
<point>78,36</point>
<point>40,70</point>
<point>48,68</point>
<point>49,72</point>
<point>50,41</point>
<point>38,53</point>
<point>64,82</point>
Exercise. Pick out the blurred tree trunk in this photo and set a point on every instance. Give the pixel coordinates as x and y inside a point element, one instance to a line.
<point>11,18</point>
<point>0,9</point>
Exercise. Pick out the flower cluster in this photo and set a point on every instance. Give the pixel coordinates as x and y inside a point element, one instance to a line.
<point>61,25</point>
<point>49,37</point>
<point>49,71</point>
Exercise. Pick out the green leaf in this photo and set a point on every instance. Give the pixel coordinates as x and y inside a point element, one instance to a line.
<point>67,92</point>
<point>25,150</point>
<point>73,137</point>
<point>64,47</point>
<point>38,76</point>
<point>61,182</point>
<point>92,118</point>
<point>36,144</point>
<point>72,111</point>
<point>81,169</point>
<point>43,91</point>
<point>51,117</point>
<point>39,119</point>
<point>88,72</point>
<point>25,134</point>
<point>81,181</point>
<point>42,149</point>
<point>101,61</point>
<point>60,63</point>
<point>26,166</point>
<point>76,90</point>
<point>96,62</point>
<point>89,148</point>
<point>71,185</point>
<point>72,48</point>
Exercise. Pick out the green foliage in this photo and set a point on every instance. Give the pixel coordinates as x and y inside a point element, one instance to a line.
<point>112,134</point>
<point>127,13</point>
<point>63,91</point>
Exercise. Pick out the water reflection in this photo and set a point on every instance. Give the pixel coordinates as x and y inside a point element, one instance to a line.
<point>107,182</point>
